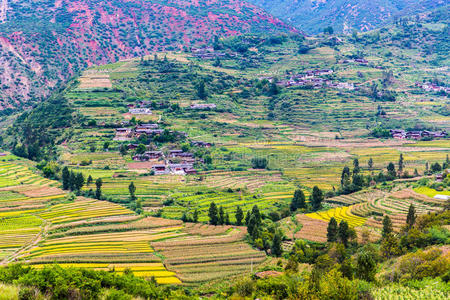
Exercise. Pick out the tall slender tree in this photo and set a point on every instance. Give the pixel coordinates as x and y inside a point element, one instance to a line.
<point>387,226</point>
<point>239,216</point>
<point>298,201</point>
<point>411,217</point>
<point>213,214</point>
<point>316,198</point>
<point>98,190</point>
<point>132,190</point>
<point>332,230</point>
<point>65,178</point>
<point>343,233</point>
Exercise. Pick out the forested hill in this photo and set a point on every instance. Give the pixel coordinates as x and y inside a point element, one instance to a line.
<point>343,15</point>
<point>45,42</point>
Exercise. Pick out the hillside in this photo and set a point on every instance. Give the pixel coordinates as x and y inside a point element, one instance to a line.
<point>313,16</point>
<point>43,43</point>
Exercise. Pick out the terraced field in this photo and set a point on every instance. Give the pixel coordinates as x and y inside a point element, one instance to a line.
<point>40,225</point>
<point>340,214</point>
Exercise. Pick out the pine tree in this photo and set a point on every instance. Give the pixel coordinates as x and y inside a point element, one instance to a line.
<point>79,181</point>
<point>239,216</point>
<point>89,180</point>
<point>298,201</point>
<point>411,217</point>
<point>132,190</point>
<point>195,216</point>
<point>391,170</point>
<point>221,216</point>
<point>400,163</point>
<point>227,219</point>
<point>201,90</point>
<point>370,164</point>
<point>332,230</point>
<point>212,213</point>
<point>356,168</point>
<point>276,244</point>
<point>387,226</point>
<point>98,191</point>
<point>72,181</point>
<point>247,218</point>
<point>345,175</point>
<point>316,198</point>
<point>257,215</point>
<point>343,233</point>
<point>65,178</point>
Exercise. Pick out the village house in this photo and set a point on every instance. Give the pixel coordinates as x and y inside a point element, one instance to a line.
<point>123,134</point>
<point>203,106</point>
<point>147,131</point>
<point>148,155</point>
<point>160,169</point>
<point>147,126</point>
<point>140,111</point>
<point>201,144</point>
<point>180,154</point>
<point>182,169</point>
<point>417,134</point>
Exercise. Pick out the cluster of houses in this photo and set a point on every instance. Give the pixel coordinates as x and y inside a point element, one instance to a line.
<point>203,106</point>
<point>416,134</point>
<point>361,61</point>
<point>206,53</point>
<point>126,134</point>
<point>141,108</point>
<point>309,78</point>
<point>431,87</point>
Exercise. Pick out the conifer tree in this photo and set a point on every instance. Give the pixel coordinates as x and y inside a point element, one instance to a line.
<point>98,190</point>
<point>387,226</point>
<point>212,213</point>
<point>332,230</point>
<point>343,233</point>
<point>239,216</point>
<point>132,190</point>
<point>316,198</point>
<point>66,178</point>
<point>298,201</point>
<point>411,217</point>
<point>276,248</point>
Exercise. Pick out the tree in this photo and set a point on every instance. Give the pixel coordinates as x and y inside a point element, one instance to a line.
<point>79,181</point>
<point>98,190</point>
<point>106,146</point>
<point>259,163</point>
<point>201,90</point>
<point>316,198</point>
<point>298,201</point>
<point>436,167</point>
<point>390,246</point>
<point>387,226</point>
<point>72,181</point>
<point>276,244</point>
<point>343,232</point>
<point>213,214</point>
<point>65,178</point>
<point>332,230</point>
<point>239,216</point>
<point>366,266</point>
<point>400,163</point>
<point>221,216</point>
<point>132,190</point>
<point>411,217</point>
<point>89,180</point>
<point>257,215</point>
<point>227,219</point>
<point>356,168</point>
<point>141,148</point>
<point>345,176</point>
<point>391,170</point>
<point>370,164</point>
<point>195,216</point>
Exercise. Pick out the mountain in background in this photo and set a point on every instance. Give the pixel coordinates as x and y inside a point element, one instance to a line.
<point>43,42</point>
<point>313,16</point>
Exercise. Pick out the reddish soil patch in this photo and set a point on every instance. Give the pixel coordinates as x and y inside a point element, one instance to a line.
<point>312,230</point>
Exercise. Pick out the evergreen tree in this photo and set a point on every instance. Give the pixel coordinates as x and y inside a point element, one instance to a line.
<point>343,233</point>
<point>213,214</point>
<point>79,181</point>
<point>257,215</point>
<point>390,246</point>
<point>400,163</point>
<point>316,198</point>
<point>298,201</point>
<point>98,191</point>
<point>276,248</point>
<point>89,180</point>
<point>195,216</point>
<point>356,168</point>
<point>227,219</point>
<point>345,176</point>
<point>332,230</point>
<point>387,226</point>
<point>370,164</point>
<point>72,181</point>
<point>65,178</point>
<point>247,218</point>
<point>239,216</point>
<point>391,170</point>
<point>366,266</point>
<point>253,227</point>
<point>201,90</point>
<point>411,217</point>
<point>221,216</point>
<point>132,190</point>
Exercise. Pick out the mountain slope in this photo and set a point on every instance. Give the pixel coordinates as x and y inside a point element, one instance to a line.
<point>344,15</point>
<point>43,42</point>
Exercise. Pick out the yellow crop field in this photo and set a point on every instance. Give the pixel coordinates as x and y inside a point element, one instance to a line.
<point>340,214</point>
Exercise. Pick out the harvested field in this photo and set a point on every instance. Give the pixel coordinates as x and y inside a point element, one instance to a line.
<point>312,229</point>
<point>94,81</point>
